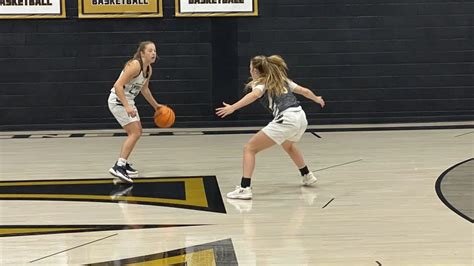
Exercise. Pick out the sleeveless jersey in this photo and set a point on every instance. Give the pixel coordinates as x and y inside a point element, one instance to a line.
<point>131,89</point>
<point>278,104</point>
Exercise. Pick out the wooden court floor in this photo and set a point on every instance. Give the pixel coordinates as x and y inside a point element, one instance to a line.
<point>375,202</point>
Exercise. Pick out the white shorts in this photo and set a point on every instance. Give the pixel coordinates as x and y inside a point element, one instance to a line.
<point>121,114</point>
<point>289,125</point>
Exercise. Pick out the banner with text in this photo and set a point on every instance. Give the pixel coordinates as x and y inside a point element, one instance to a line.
<point>120,8</point>
<point>25,9</point>
<point>217,8</point>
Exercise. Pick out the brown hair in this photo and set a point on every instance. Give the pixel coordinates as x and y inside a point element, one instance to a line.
<point>137,55</point>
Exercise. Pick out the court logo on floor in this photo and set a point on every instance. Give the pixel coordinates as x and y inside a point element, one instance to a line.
<point>27,230</point>
<point>455,190</point>
<point>214,253</point>
<point>197,192</point>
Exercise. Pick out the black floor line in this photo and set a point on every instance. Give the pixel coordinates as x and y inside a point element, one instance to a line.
<point>464,134</point>
<point>337,165</point>
<point>252,131</point>
<point>316,135</point>
<point>328,203</point>
<point>73,248</point>
<point>378,263</point>
<point>20,136</point>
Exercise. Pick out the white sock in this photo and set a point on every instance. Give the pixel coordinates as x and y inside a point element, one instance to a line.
<point>121,162</point>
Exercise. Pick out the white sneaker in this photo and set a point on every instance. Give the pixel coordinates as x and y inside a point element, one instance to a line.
<point>240,193</point>
<point>308,179</point>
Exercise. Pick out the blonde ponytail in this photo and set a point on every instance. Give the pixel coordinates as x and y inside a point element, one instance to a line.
<point>273,74</point>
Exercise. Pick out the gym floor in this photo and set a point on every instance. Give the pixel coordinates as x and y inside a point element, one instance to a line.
<point>391,195</point>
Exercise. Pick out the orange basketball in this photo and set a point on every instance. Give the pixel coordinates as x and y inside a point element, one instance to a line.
<point>164,117</point>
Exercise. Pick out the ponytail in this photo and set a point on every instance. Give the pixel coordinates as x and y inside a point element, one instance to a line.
<point>273,74</point>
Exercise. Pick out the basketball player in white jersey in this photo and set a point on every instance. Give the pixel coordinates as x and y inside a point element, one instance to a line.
<point>135,78</point>
<point>271,85</point>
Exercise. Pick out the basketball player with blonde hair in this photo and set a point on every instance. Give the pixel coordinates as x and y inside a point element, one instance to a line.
<point>134,78</point>
<point>272,86</point>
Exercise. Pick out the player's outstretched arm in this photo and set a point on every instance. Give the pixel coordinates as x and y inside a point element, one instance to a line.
<point>228,109</point>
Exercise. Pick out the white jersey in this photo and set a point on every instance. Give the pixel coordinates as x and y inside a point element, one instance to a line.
<point>131,90</point>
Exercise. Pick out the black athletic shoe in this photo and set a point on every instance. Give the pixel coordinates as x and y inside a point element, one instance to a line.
<point>130,169</point>
<point>120,172</point>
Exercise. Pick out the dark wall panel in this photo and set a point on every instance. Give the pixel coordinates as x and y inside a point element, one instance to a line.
<point>373,61</point>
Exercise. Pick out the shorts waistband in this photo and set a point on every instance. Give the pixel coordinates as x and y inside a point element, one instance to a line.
<point>296,108</point>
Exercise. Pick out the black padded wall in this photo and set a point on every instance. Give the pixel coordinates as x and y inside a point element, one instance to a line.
<point>373,61</point>
<point>57,74</point>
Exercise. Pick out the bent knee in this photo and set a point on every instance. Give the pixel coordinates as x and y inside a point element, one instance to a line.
<point>136,134</point>
<point>248,147</point>
<point>289,148</point>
